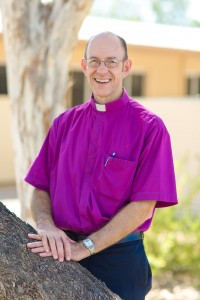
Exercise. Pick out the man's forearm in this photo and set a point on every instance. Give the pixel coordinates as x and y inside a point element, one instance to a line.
<point>124,222</point>
<point>41,207</point>
<point>52,241</point>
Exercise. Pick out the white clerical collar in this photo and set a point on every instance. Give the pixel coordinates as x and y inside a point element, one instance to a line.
<point>100,107</point>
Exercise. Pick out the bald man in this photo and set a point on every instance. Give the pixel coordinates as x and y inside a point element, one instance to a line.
<point>104,167</point>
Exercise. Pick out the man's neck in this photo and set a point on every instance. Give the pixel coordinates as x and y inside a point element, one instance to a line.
<point>104,100</point>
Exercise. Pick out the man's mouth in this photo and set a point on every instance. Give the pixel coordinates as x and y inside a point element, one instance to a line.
<point>98,80</point>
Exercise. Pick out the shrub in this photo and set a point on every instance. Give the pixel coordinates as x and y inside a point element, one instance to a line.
<point>173,242</point>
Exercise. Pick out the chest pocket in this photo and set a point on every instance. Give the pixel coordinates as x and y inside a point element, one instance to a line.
<point>114,177</point>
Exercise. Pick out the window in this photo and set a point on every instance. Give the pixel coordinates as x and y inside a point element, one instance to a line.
<point>3,80</point>
<point>137,85</point>
<point>134,84</point>
<point>193,85</point>
<point>77,87</point>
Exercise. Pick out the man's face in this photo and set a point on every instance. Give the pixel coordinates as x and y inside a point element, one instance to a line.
<point>106,83</point>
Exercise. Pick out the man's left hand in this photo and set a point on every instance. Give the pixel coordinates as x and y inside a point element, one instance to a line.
<point>78,251</point>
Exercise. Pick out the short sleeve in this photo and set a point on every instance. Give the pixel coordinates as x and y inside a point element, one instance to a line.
<point>39,172</point>
<point>155,177</point>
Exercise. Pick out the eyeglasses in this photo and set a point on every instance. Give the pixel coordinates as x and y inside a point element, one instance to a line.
<point>109,62</point>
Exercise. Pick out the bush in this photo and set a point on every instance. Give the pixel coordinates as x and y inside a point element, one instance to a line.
<point>173,242</point>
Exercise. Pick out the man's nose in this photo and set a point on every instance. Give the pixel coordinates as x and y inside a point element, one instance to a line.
<point>102,66</point>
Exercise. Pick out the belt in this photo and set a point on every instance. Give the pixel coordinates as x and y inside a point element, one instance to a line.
<point>131,237</point>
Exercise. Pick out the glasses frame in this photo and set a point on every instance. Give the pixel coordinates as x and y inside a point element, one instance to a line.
<point>104,61</point>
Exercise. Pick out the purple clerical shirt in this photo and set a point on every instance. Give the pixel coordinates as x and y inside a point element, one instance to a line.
<point>98,158</point>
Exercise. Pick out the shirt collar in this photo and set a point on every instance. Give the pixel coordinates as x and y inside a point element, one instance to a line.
<point>116,104</point>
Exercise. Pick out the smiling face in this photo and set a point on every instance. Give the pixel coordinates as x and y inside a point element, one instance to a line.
<point>106,83</point>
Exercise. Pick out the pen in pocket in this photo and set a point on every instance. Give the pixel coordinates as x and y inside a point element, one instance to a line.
<point>113,155</point>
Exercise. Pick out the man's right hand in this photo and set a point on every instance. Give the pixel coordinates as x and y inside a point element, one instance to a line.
<point>51,241</point>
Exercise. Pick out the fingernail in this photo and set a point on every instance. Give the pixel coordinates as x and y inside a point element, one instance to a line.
<point>55,257</point>
<point>68,258</point>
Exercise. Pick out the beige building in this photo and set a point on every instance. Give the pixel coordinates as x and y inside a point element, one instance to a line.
<point>165,77</point>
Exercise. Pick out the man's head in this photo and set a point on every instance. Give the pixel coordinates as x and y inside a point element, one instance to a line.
<point>121,40</point>
<point>105,65</point>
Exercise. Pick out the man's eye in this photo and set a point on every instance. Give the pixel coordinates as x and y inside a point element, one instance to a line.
<point>93,61</point>
<point>114,61</point>
<point>111,62</point>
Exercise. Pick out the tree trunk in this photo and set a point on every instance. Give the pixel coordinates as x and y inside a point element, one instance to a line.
<point>39,39</point>
<point>27,276</point>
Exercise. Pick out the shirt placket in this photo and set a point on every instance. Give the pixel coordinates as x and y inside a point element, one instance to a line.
<point>92,155</point>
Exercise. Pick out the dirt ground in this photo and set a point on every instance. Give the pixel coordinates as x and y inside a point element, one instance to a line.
<point>167,287</point>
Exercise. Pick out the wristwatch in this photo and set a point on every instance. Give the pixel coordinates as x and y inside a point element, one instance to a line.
<point>89,244</point>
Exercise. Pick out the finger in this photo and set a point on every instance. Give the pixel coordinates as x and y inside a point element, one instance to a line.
<point>38,250</point>
<point>45,243</point>
<point>34,236</point>
<point>60,249</point>
<point>34,245</point>
<point>53,249</point>
<point>67,248</point>
<point>45,254</point>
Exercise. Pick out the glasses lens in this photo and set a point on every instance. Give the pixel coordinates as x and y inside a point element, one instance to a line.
<point>111,62</point>
<point>93,63</point>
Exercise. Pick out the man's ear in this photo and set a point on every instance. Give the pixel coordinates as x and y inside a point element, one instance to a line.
<point>127,67</point>
<point>84,66</point>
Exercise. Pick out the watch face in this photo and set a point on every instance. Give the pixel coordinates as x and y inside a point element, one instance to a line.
<point>88,243</point>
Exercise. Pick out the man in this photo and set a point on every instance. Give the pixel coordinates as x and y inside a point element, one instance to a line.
<point>101,172</point>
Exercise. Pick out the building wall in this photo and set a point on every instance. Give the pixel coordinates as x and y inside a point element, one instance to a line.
<point>154,62</point>
<point>181,117</point>
<point>2,52</point>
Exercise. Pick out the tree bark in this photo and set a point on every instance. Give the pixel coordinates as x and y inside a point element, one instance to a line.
<point>27,276</point>
<point>39,39</point>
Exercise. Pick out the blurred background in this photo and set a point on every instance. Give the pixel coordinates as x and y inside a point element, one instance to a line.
<point>164,44</point>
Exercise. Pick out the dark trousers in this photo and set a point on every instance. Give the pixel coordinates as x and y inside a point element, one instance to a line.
<point>124,268</point>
